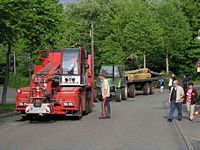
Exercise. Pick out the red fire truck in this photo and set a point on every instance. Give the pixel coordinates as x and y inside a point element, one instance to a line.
<point>61,85</point>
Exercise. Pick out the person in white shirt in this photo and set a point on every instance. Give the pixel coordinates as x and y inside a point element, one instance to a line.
<point>170,83</point>
<point>105,91</point>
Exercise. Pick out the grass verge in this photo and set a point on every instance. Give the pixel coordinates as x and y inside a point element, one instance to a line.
<point>6,108</point>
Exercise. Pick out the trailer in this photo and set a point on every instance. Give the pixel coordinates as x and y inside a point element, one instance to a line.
<point>124,84</point>
<point>141,80</point>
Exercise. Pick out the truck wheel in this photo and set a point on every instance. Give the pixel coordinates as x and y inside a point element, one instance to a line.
<point>124,93</point>
<point>98,96</point>
<point>152,89</point>
<point>87,103</point>
<point>146,89</point>
<point>78,115</point>
<point>132,90</point>
<point>118,95</point>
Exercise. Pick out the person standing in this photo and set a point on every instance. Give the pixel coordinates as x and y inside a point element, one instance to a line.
<point>190,97</point>
<point>161,84</point>
<point>170,83</point>
<point>173,77</point>
<point>105,91</point>
<point>176,97</point>
<point>185,83</point>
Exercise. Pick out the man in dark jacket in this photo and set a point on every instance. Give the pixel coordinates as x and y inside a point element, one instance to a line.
<point>185,82</point>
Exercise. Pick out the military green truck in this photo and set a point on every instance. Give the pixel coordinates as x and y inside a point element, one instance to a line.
<point>126,83</point>
<point>117,82</point>
<point>141,80</point>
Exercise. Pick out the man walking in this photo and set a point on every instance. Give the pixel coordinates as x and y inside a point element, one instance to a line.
<point>105,91</point>
<point>176,97</point>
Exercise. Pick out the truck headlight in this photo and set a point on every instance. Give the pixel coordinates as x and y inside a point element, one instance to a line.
<point>68,104</point>
<point>21,104</point>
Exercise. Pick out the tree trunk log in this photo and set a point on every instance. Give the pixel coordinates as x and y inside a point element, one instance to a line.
<point>5,85</point>
<point>167,63</point>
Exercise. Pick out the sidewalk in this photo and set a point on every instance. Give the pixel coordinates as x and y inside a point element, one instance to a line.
<point>190,129</point>
<point>11,95</point>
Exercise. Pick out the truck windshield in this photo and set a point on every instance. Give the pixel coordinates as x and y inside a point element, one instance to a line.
<point>70,61</point>
<point>108,70</point>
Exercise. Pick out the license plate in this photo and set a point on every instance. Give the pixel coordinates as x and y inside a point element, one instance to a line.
<point>37,110</point>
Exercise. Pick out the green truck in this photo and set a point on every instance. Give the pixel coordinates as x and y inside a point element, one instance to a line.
<point>117,81</point>
<point>124,84</point>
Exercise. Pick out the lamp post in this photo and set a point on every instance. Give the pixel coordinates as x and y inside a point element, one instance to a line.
<point>198,62</point>
<point>198,36</point>
<point>92,46</point>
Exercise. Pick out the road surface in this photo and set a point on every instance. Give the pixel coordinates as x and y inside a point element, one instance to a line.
<point>137,124</point>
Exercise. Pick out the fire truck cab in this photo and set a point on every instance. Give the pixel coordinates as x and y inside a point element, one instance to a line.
<point>61,85</point>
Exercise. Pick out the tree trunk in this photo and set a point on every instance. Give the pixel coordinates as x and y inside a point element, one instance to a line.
<point>144,55</point>
<point>167,63</point>
<point>4,95</point>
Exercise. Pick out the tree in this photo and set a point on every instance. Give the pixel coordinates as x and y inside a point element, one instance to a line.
<point>37,22</point>
<point>9,33</point>
<point>176,35</point>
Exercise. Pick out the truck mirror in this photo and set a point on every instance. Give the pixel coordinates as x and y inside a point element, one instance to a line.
<point>85,55</point>
<point>86,66</point>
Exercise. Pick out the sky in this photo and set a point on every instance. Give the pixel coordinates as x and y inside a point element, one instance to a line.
<point>68,1</point>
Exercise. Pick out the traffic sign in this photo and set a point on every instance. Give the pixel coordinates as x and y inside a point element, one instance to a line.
<point>25,56</point>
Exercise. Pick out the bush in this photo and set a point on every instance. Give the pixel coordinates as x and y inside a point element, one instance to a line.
<point>19,82</point>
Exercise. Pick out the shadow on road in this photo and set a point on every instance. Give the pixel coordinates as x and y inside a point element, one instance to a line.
<point>47,119</point>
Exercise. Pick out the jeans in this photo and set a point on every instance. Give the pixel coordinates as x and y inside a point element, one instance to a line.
<point>107,104</point>
<point>172,108</point>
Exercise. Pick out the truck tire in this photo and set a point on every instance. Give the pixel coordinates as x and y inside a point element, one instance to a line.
<point>87,103</point>
<point>132,91</point>
<point>124,93</point>
<point>152,89</point>
<point>78,115</point>
<point>146,89</point>
<point>118,95</point>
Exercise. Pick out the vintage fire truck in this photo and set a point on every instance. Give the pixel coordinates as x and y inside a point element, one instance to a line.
<point>61,85</point>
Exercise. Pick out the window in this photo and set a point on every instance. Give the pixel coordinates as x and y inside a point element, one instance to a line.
<point>70,61</point>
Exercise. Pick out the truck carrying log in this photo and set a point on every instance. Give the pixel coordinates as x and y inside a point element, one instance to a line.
<point>144,70</point>
<point>141,74</point>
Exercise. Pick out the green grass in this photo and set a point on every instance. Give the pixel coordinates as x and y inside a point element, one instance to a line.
<point>5,108</point>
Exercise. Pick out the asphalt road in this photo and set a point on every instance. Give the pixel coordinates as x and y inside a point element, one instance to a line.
<point>136,124</point>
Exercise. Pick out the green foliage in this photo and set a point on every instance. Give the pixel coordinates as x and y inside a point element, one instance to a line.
<point>28,26</point>
<point>123,31</point>
<point>5,108</point>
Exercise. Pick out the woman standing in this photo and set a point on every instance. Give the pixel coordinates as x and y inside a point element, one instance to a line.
<point>190,97</point>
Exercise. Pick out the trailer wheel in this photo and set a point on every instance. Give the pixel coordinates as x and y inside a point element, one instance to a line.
<point>118,95</point>
<point>146,89</point>
<point>124,93</point>
<point>152,89</point>
<point>132,91</point>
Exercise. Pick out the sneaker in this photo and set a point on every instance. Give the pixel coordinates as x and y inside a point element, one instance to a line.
<point>190,119</point>
<point>170,120</point>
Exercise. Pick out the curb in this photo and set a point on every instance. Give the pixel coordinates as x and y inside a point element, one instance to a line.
<point>185,138</point>
<point>10,114</point>
<point>188,142</point>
